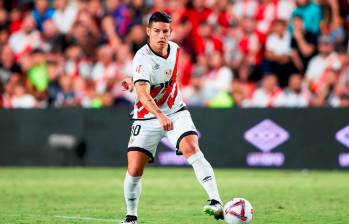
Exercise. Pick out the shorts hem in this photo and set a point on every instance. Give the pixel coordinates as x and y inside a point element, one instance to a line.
<point>178,152</point>
<point>139,149</point>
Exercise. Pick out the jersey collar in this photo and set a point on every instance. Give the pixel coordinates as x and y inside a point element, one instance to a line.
<point>164,57</point>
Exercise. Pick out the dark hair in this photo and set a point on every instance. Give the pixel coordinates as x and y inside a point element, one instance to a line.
<point>159,17</point>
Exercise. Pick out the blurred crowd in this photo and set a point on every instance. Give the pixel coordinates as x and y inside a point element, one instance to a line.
<point>235,53</point>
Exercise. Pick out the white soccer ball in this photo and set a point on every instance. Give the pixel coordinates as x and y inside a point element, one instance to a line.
<point>238,211</point>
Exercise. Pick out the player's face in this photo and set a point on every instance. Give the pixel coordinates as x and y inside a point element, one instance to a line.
<point>159,34</point>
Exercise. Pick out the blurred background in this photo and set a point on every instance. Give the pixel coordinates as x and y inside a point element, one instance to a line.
<point>246,53</point>
<point>235,54</point>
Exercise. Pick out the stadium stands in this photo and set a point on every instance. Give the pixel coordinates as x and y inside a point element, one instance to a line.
<point>235,53</point>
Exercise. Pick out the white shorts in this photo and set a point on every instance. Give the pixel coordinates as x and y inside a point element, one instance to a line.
<point>146,134</point>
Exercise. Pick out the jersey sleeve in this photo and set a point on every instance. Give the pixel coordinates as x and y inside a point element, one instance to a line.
<point>140,69</point>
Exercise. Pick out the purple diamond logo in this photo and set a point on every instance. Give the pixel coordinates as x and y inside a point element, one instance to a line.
<point>343,136</point>
<point>266,135</point>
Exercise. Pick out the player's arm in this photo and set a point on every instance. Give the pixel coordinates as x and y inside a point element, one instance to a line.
<point>143,94</point>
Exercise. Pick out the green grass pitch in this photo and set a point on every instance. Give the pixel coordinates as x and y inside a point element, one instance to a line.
<point>170,196</point>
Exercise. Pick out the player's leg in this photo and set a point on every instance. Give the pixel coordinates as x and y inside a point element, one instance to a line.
<point>132,183</point>
<point>184,136</point>
<point>145,136</point>
<point>189,146</point>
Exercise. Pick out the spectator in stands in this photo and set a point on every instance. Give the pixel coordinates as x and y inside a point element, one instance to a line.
<point>21,99</point>
<point>266,13</point>
<point>121,15</point>
<point>326,94</point>
<point>266,95</point>
<point>303,44</point>
<point>318,65</point>
<point>197,13</point>
<point>38,75</point>
<point>82,35</point>
<point>251,45</point>
<point>15,22</point>
<point>194,94</point>
<point>278,53</point>
<point>332,24</point>
<point>54,71</point>
<point>105,70</point>
<point>232,55</point>
<point>76,63</point>
<point>295,95</point>
<point>219,17</point>
<point>53,41</point>
<point>42,12</point>
<point>110,36</point>
<point>8,65</point>
<point>65,15</point>
<point>8,91</point>
<point>310,11</point>
<point>95,8</point>
<point>245,8</point>
<point>207,42</point>
<point>137,38</point>
<point>124,67</point>
<point>3,19</point>
<point>219,77</point>
<point>242,87</point>
<point>342,86</point>
<point>65,96</point>
<point>185,67</point>
<point>138,8</point>
<point>91,99</point>
<point>4,35</point>
<point>26,39</point>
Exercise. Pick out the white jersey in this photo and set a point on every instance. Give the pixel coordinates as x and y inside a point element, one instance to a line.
<point>161,73</point>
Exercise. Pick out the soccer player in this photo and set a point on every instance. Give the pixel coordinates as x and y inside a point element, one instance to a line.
<point>159,111</point>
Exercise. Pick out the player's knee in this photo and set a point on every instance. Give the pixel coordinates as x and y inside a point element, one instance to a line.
<point>135,171</point>
<point>190,148</point>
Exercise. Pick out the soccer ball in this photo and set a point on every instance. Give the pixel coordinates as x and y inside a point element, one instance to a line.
<point>238,211</point>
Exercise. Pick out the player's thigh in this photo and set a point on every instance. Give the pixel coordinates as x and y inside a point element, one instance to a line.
<point>136,163</point>
<point>183,126</point>
<point>145,137</point>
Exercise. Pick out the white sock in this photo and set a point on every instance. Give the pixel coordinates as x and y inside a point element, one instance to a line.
<point>132,193</point>
<point>205,175</point>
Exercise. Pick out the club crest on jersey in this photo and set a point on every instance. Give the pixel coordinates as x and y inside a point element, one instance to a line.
<point>168,72</point>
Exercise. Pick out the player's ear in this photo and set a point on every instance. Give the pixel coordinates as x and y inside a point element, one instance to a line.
<point>148,30</point>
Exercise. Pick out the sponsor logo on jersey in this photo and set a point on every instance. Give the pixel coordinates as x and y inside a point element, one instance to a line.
<point>156,67</point>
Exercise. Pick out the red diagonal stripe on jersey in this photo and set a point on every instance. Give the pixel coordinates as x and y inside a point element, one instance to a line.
<point>172,99</point>
<point>143,112</point>
<point>161,101</point>
<point>154,92</point>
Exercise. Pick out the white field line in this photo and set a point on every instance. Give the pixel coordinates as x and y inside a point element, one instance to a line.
<point>86,218</point>
<point>76,217</point>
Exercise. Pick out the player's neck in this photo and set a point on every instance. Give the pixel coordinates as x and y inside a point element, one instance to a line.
<point>163,51</point>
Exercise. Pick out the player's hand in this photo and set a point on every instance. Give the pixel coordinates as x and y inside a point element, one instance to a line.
<point>165,122</point>
<point>127,84</point>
